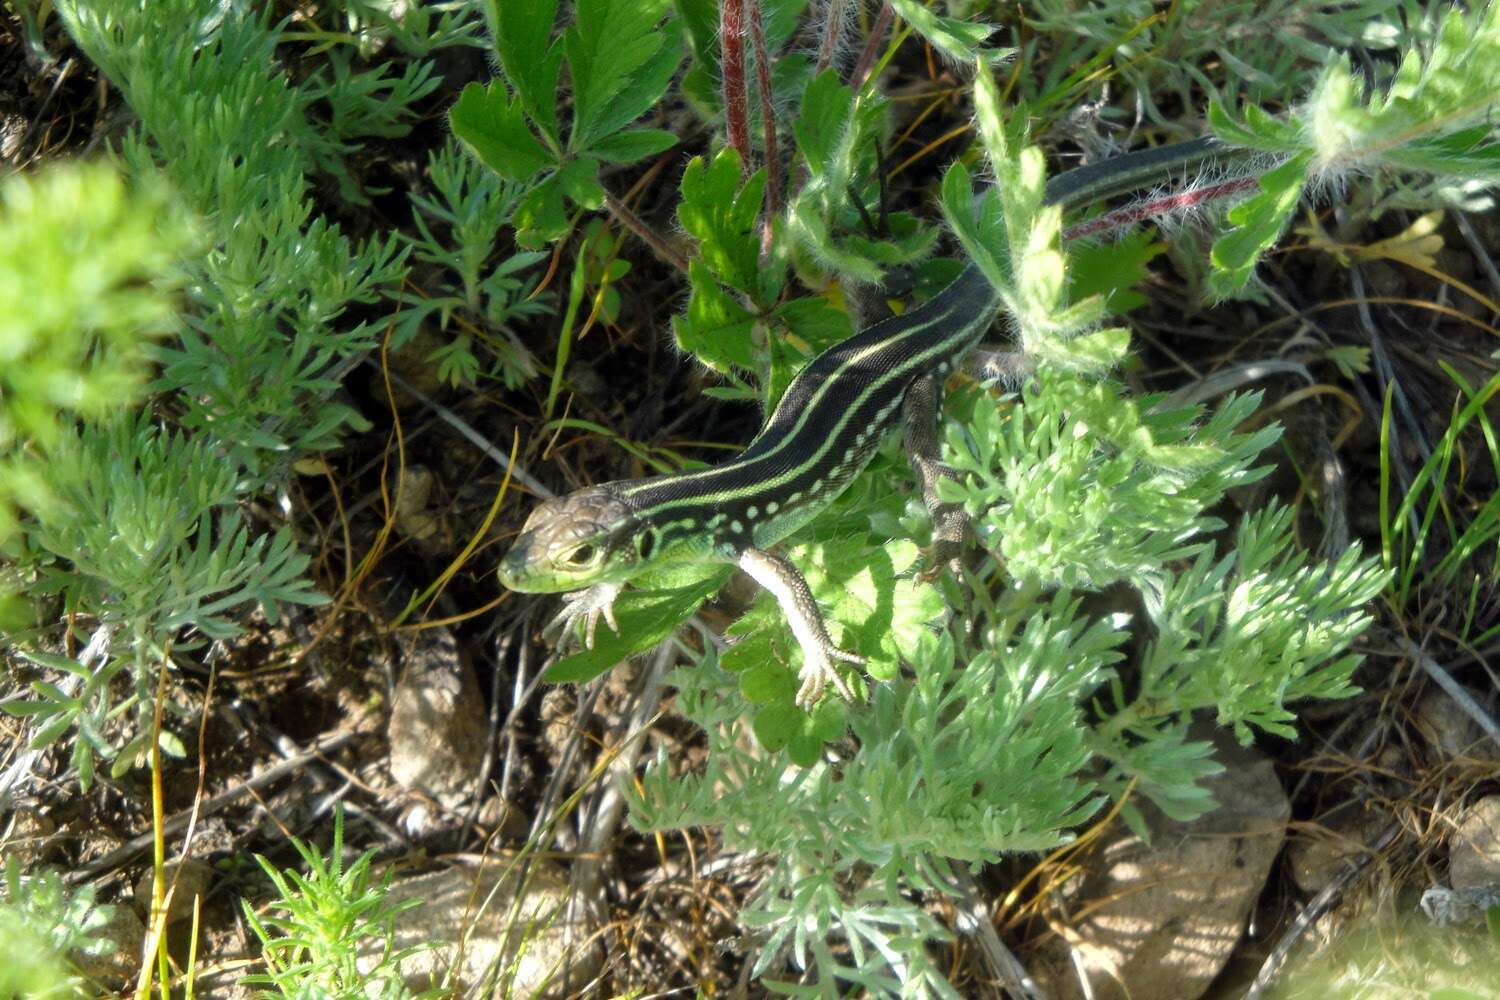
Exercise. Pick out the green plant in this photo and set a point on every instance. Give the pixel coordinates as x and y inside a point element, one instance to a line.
<point>322,920</point>
<point>985,746</point>
<point>473,205</point>
<point>88,267</point>
<point>42,923</point>
<point>135,523</point>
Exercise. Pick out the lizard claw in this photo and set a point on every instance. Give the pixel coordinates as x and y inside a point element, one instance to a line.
<point>818,672</point>
<point>585,607</point>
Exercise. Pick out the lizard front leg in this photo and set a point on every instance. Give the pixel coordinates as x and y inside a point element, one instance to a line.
<point>789,588</point>
<point>585,607</point>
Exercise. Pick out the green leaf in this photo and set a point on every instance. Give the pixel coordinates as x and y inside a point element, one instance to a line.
<point>825,115</point>
<point>810,325</point>
<point>522,34</point>
<point>1258,222</point>
<point>608,41</point>
<point>776,725</point>
<point>541,216</point>
<point>491,124</point>
<point>716,329</point>
<point>579,180</point>
<point>721,214</point>
<point>1114,270</point>
<point>1492,921</point>
<point>1258,131</point>
<point>981,232</point>
<point>635,144</point>
<point>768,682</point>
<point>955,39</point>
<point>646,86</point>
<point>814,321</point>
<point>645,617</point>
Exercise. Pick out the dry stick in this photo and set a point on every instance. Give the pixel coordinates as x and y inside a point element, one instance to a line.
<point>271,774</point>
<point>768,121</point>
<point>732,64</point>
<point>974,918</point>
<point>872,46</point>
<point>1316,907</point>
<point>1452,689</point>
<point>603,819</point>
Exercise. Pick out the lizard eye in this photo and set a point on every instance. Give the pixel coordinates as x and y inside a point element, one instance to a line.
<point>581,556</point>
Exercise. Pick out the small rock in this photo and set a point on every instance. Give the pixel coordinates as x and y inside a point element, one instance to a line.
<point>27,837</point>
<point>1474,850</point>
<point>437,730</point>
<point>1445,906</point>
<point>12,131</point>
<point>1452,731</point>
<point>1316,857</point>
<point>535,946</point>
<point>191,877</point>
<point>413,494</point>
<point>1383,280</point>
<point>1161,920</point>
<point>118,962</point>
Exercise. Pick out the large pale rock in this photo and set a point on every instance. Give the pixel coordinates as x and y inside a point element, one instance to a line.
<point>1474,850</point>
<point>1158,921</point>
<point>437,730</point>
<point>495,945</point>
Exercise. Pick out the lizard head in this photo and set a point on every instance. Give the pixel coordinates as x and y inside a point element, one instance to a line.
<point>572,542</point>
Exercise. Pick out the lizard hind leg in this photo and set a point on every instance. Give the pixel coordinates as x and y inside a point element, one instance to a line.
<point>949,522</point>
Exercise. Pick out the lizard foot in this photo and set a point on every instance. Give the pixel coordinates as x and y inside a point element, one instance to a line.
<point>585,608</point>
<point>818,672</point>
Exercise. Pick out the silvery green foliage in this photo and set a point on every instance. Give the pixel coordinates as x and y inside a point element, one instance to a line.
<point>42,922</point>
<point>266,331</point>
<point>146,541</point>
<point>330,932</point>
<point>459,229</point>
<point>1167,59</point>
<point>983,746</point>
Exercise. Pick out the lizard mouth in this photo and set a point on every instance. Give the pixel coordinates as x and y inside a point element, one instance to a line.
<point>512,569</point>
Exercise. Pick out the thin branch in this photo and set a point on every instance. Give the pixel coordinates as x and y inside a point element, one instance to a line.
<point>1315,908</point>
<point>209,806</point>
<point>1453,689</point>
<point>872,46</point>
<point>648,236</point>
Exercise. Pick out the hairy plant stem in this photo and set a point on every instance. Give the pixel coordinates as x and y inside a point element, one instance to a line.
<point>833,28</point>
<point>867,57</point>
<point>1154,208</point>
<point>768,122</point>
<point>732,63</point>
<point>648,236</point>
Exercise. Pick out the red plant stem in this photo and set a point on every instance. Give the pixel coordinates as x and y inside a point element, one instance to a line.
<point>832,29</point>
<point>867,57</point>
<point>1151,208</point>
<point>768,120</point>
<point>732,63</point>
